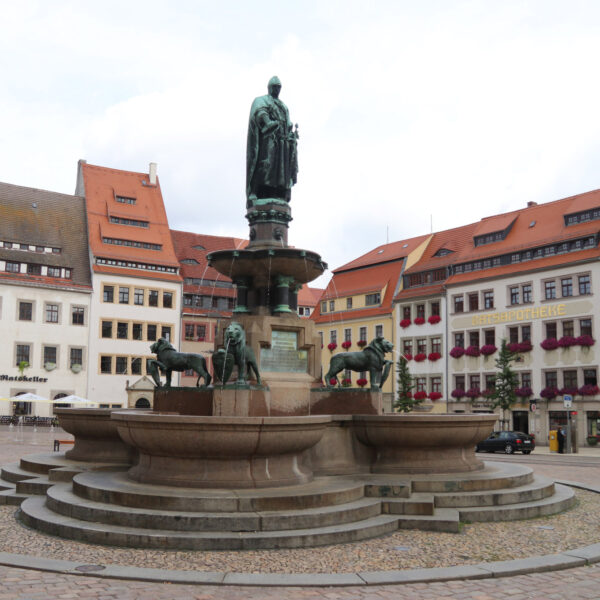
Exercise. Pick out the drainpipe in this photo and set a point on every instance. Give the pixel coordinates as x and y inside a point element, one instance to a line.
<point>447,345</point>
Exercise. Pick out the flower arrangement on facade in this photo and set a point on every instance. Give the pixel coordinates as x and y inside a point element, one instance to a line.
<point>346,382</point>
<point>333,381</point>
<point>488,349</point>
<point>420,357</point>
<point>472,351</point>
<point>433,319</point>
<point>361,382</point>
<point>331,346</point>
<point>419,321</point>
<point>457,352</point>
<point>487,393</point>
<point>458,393</point>
<point>473,392</point>
<point>549,344</point>
<point>549,393</point>
<point>566,341</point>
<point>568,390</point>
<point>420,395</point>
<point>433,356</point>
<point>435,396</point>
<point>588,389</point>
<point>346,344</point>
<point>408,356</point>
<point>361,343</point>
<point>586,341</point>
<point>517,347</point>
<point>523,392</point>
<point>405,323</point>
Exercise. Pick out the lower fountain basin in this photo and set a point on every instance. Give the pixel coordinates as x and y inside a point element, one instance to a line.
<point>411,443</point>
<point>220,452</point>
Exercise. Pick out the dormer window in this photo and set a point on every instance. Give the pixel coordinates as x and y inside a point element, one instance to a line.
<point>443,252</point>
<point>583,216</point>
<point>125,199</point>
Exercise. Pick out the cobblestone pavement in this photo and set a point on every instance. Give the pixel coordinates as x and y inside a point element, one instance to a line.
<point>582,582</point>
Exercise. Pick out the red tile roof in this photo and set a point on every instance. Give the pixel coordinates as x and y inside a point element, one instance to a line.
<point>309,296</point>
<point>101,185</point>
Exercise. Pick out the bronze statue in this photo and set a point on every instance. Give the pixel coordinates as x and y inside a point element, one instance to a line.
<point>170,360</point>
<point>243,355</point>
<point>371,359</point>
<point>271,157</point>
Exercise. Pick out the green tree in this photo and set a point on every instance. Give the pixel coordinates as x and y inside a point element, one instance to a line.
<point>404,401</point>
<point>504,396</point>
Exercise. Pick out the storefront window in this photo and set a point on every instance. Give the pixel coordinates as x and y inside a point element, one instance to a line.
<point>593,422</point>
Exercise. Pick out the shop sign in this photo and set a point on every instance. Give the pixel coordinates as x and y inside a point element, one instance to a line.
<point>35,379</point>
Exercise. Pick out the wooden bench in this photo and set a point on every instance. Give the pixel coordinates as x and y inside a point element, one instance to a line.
<point>57,444</point>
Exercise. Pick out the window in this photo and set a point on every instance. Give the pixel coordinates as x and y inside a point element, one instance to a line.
<point>167,300</point>
<point>436,384</point>
<point>526,333</point>
<point>566,287</point>
<point>201,332</point>
<point>421,384</point>
<point>436,344</point>
<point>121,366</point>
<point>137,333</point>
<point>323,307</point>
<point>371,299</point>
<point>362,333</point>
<point>333,336</point>
<point>435,308</point>
<point>568,329</point>
<point>108,293</point>
<point>75,357</point>
<point>378,330</point>
<point>420,311</point>
<point>125,199</point>
<point>51,313</point>
<point>189,331</point>
<point>490,337</point>
<point>151,332</point>
<point>166,333</point>
<point>526,379</point>
<point>459,304</point>
<point>589,377</point>
<point>406,312</point>
<point>551,379</point>
<point>12,267</point>
<point>106,329</point>
<point>585,327</point>
<point>77,315</point>
<point>348,303</point>
<point>331,305</point>
<point>34,269</point>
<point>132,222</point>
<point>459,382</point>
<point>106,364</point>
<point>474,338</point>
<point>407,346</point>
<point>50,353</point>
<point>550,330</point>
<point>490,382</point>
<point>53,272</point>
<point>459,340</point>
<point>23,351</point>
<point>488,299</point>
<point>421,346</point>
<point>123,295</point>
<point>138,297</point>
<point>475,381</point>
<point>347,335</point>
<point>473,301</point>
<point>585,286</point>
<point>136,366</point>
<point>122,330</point>
<point>550,290</point>
<point>153,298</point>
<point>570,378</point>
<point>25,311</point>
<point>513,335</point>
<point>514,295</point>
<point>527,297</point>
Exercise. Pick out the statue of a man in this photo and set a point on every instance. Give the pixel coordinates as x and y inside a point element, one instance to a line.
<point>271,158</point>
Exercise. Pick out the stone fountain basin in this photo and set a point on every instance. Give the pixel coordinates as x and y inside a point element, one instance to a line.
<point>96,435</point>
<point>220,452</point>
<point>416,443</point>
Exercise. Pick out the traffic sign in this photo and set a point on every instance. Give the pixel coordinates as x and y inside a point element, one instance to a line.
<point>568,400</point>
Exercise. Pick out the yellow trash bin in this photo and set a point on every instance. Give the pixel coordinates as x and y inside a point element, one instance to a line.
<point>553,440</point>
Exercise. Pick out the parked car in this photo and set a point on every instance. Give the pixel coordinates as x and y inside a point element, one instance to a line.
<point>507,442</point>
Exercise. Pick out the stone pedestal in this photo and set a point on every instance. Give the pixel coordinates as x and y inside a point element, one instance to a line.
<point>185,401</point>
<point>242,401</point>
<point>345,401</point>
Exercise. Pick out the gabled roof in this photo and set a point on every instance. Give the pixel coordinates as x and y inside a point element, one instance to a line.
<point>101,186</point>
<point>309,296</point>
<point>42,218</point>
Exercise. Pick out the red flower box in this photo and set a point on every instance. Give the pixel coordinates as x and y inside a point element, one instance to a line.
<point>589,390</point>
<point>473,392</point>
<point>361,382</point>
<point>433,319</point>
<point>517,347</point>
<point>549,393</point>
<point>435,396</point>
<point>420,395</point>
<point>488,349</point>
<point>346,382</point>
<point>457,352</point>
<point>433,356</point>
<point>549,344</point>
<point>472,351</point>
<point>333,381</point>
<point>487,393</point>
<point>419,321</point>
<point>405,323</point>
<point>361,343</point>
<point>408,356</point>
<point>567,341</point>
<point>568,390</point>
<point>585,340</point>
<point>523,392</point>
<point>332,346</point>
<point>420,357</point>
<point>458,393</point>
<point>346,344</point>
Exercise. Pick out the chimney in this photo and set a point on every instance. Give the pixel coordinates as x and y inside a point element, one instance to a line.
<point>531,203</point>
<point>152,173</point>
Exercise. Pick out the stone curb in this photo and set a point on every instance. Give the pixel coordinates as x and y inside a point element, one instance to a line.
<point>578,557</point>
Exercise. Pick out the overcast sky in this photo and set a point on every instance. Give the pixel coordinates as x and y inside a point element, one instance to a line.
<point>411,114</point>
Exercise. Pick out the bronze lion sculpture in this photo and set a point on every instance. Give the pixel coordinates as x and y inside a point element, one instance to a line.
<point>371,359</point>
<point>235,344</point>
<point>169,360</point>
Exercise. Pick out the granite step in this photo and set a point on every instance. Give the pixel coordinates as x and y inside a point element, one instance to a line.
<point>34,513</point>
<point>10,497</point>
<point>111,487</point>
<point>13,473</point>
<point>417,504</point>
<point>63,501</point>
<point>34,486</point>
<point>445,520</point>
<point>63,473</point>
<point>562,499</point>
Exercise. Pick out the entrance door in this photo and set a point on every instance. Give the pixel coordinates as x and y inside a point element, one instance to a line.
<point>521,421</point>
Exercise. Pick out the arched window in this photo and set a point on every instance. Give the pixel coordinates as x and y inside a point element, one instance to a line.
<point>142,403</point>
